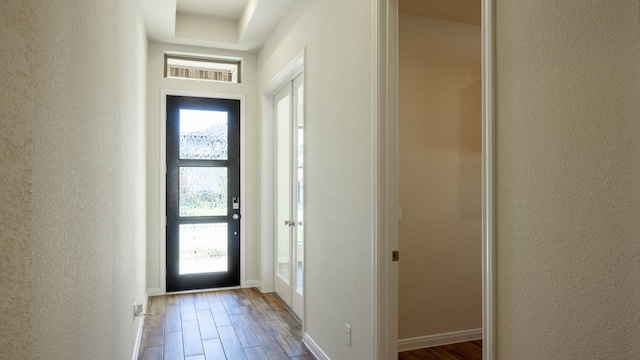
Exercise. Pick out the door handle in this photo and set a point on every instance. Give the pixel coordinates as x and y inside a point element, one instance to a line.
<point>286,222</point>
<point>235,216</point>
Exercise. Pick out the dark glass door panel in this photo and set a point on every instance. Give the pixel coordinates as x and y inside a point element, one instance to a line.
<point>203,188</point>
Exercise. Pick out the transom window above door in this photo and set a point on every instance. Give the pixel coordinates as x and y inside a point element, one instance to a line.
<point>202,68</point>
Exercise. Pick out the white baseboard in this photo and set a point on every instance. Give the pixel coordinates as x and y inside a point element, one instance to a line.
<point>314,348</point>
<point>154,292</point>
<point>439,339</point>
<point>136,348</point>
<point>250,283</point>
<point>259,286</point>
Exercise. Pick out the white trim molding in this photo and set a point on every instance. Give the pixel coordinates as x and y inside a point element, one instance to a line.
<point>439,339</point>
<point>385,92</point>
<point>259,286</point>
<point>136,348</point>
<point>294,68</point>
<point>385,196</point>
<point>488,181</point>
<point>267,202</point>
<point>138,343</point>
<point>317,352</point>
<point>250,284</point>
<point>155,292</point>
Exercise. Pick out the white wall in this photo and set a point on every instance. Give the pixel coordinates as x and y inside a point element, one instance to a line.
<point>337,36</point>
<point>440,284</point>
<point>568,175</point>
<point>17,88</point>
<point>155,205</point>
<point>73,160</point>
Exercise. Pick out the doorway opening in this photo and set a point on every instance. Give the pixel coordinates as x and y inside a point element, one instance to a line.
<point>202,193</point>
<point>386,109</point>
<point>282,241</point>
<point>289,190</point>
<point>440,174</point>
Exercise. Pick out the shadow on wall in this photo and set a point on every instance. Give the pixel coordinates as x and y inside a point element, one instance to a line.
<point>470,171</point>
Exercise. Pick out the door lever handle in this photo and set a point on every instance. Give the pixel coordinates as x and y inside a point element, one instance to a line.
<point>286,222</point>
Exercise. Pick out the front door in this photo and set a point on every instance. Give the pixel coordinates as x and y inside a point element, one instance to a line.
<point>203,193</point>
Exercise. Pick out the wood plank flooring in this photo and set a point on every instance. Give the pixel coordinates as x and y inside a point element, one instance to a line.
<point>471,350</point>
<point>244,324</point>
<point>227,324</point>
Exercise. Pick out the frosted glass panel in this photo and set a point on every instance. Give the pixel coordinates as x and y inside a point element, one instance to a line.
<point>203,135</point>
<point>203,248</point>
<point>299,92</point>
<point>203,191</point>
<point>284,187</point>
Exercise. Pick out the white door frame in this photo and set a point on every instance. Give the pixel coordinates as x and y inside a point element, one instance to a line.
<point>163,179</point>
<point>287,288</point>
<point>488,184</point>
<point>385,163</point>
<point>267,163</point>
<point>385,189</point>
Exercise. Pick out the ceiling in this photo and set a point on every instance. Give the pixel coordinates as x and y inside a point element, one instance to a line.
<point>224,9</point>
<point>246,24</point>
<point>226,24</point>
<point>466,11</point>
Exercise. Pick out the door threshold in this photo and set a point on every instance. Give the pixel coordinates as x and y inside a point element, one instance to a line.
<point>204,290</point>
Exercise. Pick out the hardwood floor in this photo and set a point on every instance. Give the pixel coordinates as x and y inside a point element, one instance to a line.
<point>226,324</point>
<point>244,324</point>
<point>471,350</point>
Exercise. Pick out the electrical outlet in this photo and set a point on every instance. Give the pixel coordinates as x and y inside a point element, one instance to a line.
<point>137,310</point>
<point>347,334</point>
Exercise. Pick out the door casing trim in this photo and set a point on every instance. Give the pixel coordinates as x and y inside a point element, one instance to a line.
<point>163,181</point>
<point>289,72</point>
<point>385,111</point>
<point>487,30</point>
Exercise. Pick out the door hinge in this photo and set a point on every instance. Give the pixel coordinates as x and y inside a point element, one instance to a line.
<point>165,168</point>
<point>395,255</point>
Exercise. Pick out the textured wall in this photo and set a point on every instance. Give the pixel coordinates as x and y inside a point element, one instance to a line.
<point>156,83</point>
<point>73,153</point>
<point>338,162</point>
<point>440,285</point>
<point>17,59</point>
<point>568,175</point>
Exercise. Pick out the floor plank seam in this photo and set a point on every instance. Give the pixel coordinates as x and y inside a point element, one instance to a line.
<point>231,324</point>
